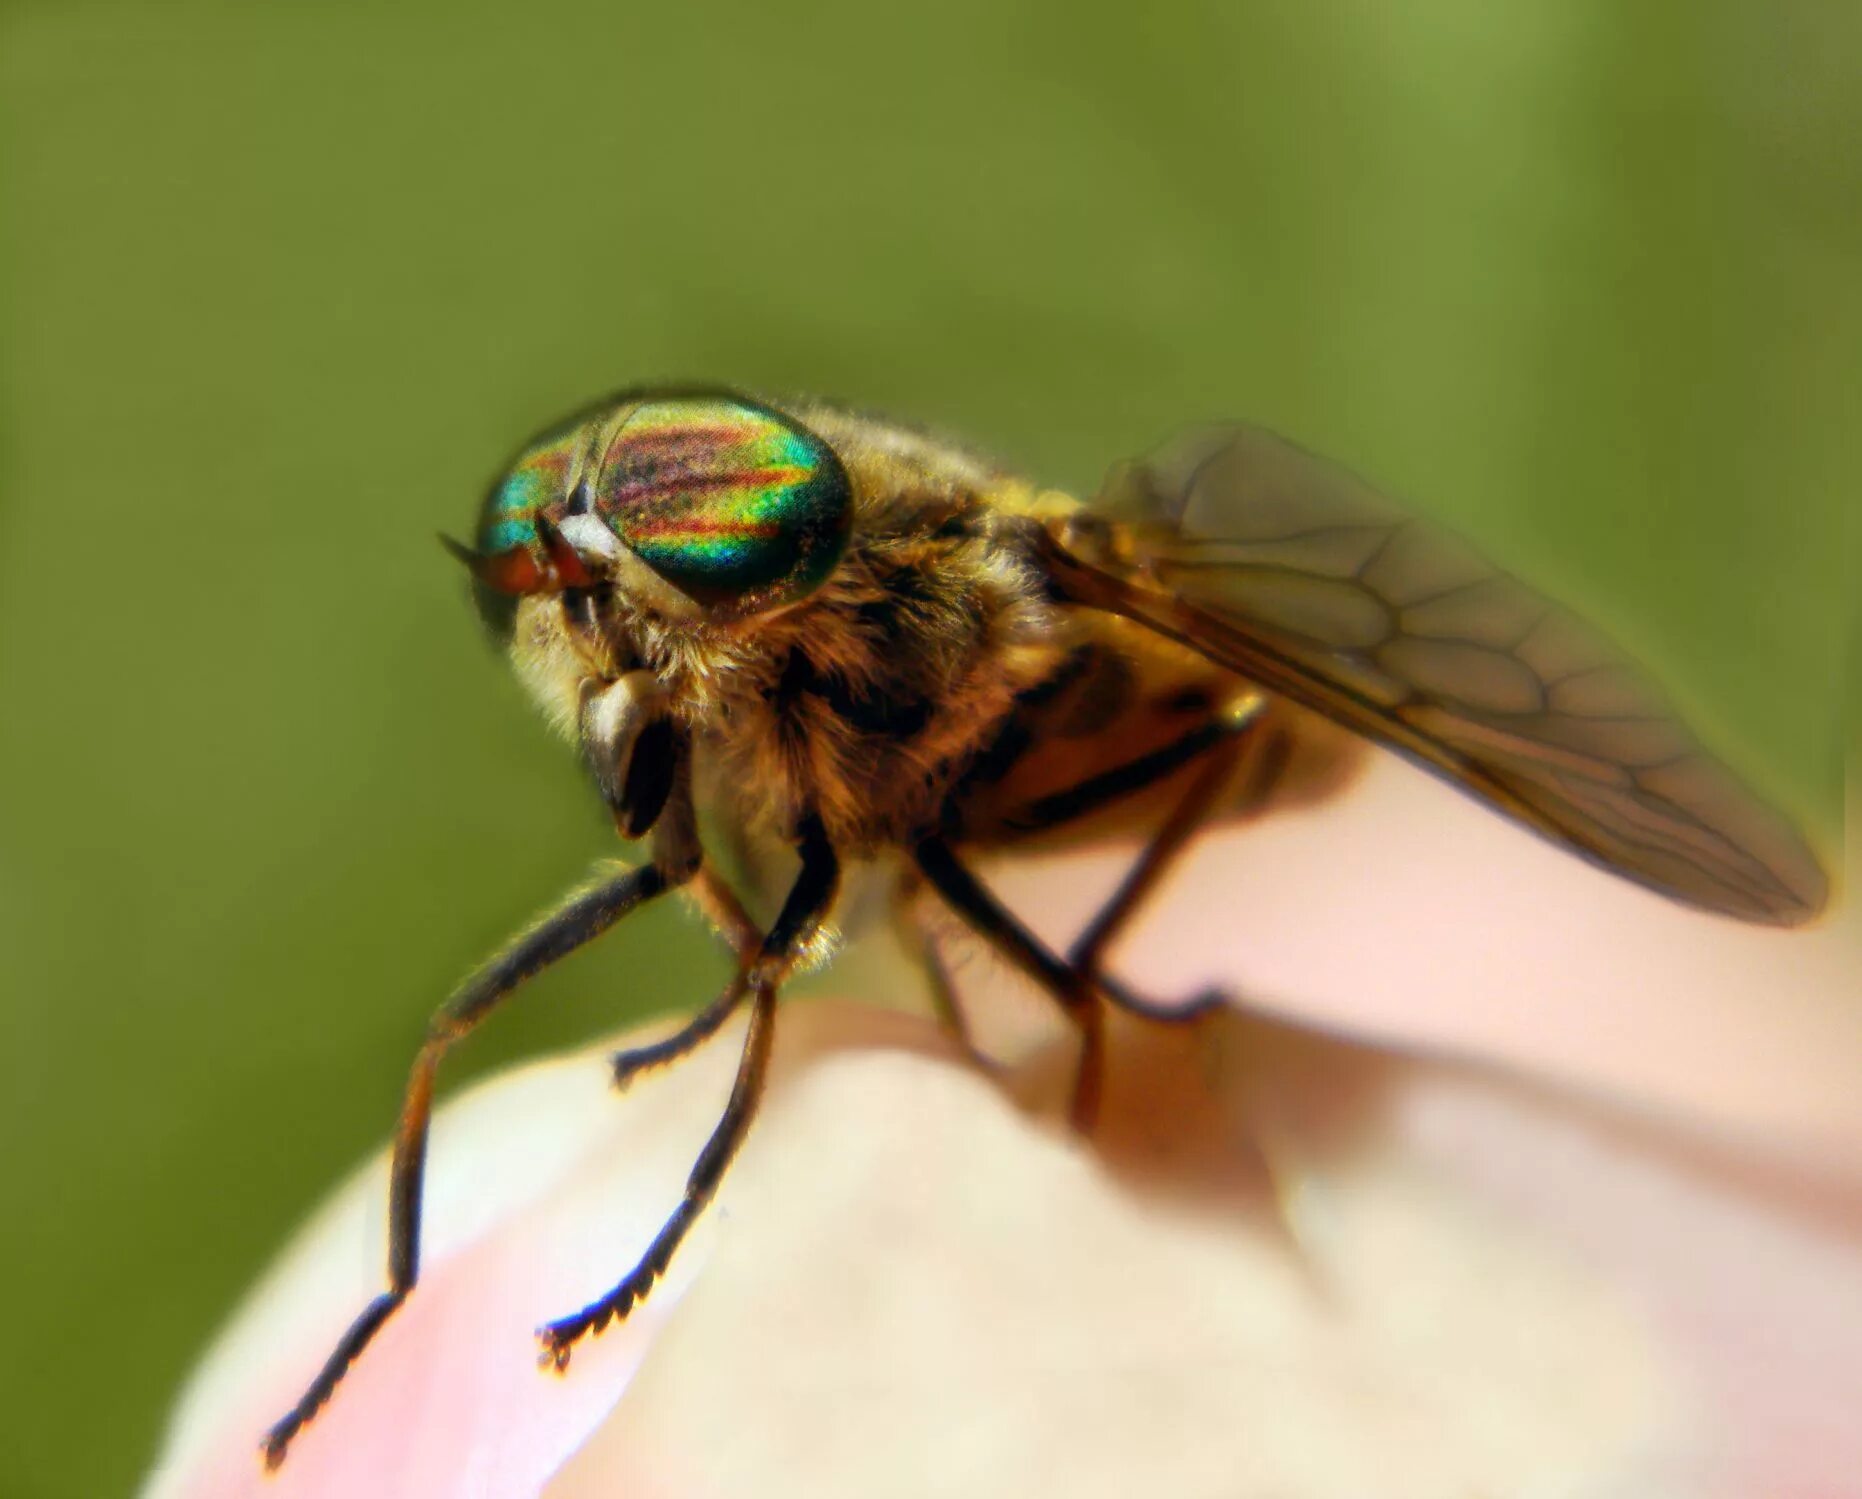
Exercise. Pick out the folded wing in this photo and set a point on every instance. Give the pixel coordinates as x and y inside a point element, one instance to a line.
<point>1292,571</point>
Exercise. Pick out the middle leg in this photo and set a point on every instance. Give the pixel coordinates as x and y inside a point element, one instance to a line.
<point>1077,982</point>
<point>998,926</point>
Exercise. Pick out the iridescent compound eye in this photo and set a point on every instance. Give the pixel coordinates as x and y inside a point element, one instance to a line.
<point>514,551</point>
<point>736,506</point>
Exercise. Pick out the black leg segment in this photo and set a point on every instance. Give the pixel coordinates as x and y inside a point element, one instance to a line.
<point>807,904</point>
<point>585,915</point>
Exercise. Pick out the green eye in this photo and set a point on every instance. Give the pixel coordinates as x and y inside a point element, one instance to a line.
<point>735,505</point>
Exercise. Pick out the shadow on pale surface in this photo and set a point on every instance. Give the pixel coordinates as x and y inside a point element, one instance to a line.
<point>1287,1264</point>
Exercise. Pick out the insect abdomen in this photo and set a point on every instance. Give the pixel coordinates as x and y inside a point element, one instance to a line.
<point>1125,700</point>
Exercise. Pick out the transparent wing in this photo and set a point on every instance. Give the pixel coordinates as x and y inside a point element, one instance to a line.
<point>1292,571</point>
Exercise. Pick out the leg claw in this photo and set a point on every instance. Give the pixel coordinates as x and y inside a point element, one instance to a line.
<point>628,1065</point>
<point>556,1348</point>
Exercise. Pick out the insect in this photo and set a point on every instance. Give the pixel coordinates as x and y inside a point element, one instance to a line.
<point>861,643</point>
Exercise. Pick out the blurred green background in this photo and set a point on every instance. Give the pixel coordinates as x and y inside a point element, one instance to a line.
<point>281,286</point>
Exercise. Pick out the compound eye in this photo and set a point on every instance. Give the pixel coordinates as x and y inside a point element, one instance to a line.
<point>738,507</point>
<point>515,548</point>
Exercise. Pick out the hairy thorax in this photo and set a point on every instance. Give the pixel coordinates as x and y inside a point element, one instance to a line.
<point>863,704</point>
<point>871,701</point>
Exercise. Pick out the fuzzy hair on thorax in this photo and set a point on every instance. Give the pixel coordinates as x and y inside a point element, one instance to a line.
<point>864,702</point>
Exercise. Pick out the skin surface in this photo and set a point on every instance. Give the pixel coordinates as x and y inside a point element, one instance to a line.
<point>1622,1260</point>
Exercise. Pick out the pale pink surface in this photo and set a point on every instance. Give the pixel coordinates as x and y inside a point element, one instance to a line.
<point>542,1188</point>
<point>1446,1282</point>
<point>1471,1289</point>
<point>1410,912</point>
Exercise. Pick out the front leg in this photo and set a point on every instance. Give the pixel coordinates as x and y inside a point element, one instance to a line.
<point>643,766</point>
<point>582,917</point>
<point>802,912</point>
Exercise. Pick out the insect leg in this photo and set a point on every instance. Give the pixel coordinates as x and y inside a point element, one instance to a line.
<point>1077,982</point>
<point>721,907</point>
<point>1089,948</point>
<point>997,925</point>
<point>922,944</point>
<point>808,901</point>
<point>583,916</point>
<point>630,1063</point>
